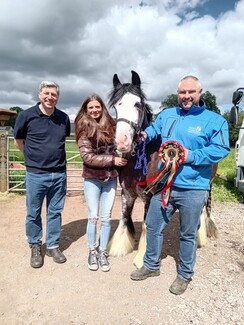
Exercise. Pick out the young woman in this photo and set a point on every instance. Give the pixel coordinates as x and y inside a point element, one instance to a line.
<point>94,131</point>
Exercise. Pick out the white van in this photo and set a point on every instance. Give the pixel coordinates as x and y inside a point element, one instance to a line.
<point>239,146</point>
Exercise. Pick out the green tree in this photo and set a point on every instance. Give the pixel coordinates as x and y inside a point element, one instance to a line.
<point>170,101</point>
<point>210,101</point>
<point>234,129</point>
<point>207,97</point>
<point>11,121</point>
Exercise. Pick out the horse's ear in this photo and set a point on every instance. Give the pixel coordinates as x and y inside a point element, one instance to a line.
<point>135,79</point>
<point>116,80</point>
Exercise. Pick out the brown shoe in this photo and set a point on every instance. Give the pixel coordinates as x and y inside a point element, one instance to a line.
<point>36,256</point>
<point>179,286</point>
<point>143,273</point>
<point>56,254</point>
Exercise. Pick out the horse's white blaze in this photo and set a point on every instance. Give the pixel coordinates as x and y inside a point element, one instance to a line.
<point>124,135</point>
<point>126,109</point>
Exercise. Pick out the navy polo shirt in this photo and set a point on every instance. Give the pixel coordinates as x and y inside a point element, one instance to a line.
<point>44,139</point>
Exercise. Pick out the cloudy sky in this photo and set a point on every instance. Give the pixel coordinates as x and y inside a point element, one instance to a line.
<point>81,44</point>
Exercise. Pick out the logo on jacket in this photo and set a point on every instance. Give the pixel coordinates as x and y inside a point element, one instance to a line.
<point>195,129</point>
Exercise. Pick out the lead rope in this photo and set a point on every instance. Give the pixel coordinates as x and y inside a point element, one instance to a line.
<point>141,157</point>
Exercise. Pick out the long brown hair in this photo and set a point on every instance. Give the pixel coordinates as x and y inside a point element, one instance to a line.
<point>87,126</point>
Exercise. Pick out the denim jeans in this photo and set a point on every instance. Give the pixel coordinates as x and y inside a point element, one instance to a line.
<point>99,194</point>
<point>53,187</point>
<point>190,204</point>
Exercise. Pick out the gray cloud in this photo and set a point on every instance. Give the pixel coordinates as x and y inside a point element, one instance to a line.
<point>82,44</point>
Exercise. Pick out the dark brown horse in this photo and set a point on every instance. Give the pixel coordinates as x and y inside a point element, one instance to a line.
<point>133,115</point>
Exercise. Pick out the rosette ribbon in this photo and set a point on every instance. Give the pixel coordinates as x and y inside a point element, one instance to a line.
<point>172,155</point>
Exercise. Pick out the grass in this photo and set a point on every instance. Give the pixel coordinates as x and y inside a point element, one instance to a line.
<point>71,151</point>
<point>223,189</point>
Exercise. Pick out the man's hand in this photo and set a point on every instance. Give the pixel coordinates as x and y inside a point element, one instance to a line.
<point>144,135</point>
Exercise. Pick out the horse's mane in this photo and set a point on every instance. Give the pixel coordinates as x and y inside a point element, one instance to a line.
<point>121,89</point>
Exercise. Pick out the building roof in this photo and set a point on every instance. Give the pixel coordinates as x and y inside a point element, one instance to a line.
<point>4,111</point>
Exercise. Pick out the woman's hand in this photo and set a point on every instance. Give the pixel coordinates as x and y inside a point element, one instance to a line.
<point>120,162</point>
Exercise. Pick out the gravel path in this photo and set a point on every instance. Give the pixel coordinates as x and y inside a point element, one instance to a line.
<point>71,294</point>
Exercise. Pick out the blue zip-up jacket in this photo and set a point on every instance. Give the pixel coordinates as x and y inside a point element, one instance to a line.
<point>204,133</point>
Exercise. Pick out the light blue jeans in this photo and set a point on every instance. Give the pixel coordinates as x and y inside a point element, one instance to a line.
<point>190,204</point>
<point>53,187</point>
<point>99,195</point>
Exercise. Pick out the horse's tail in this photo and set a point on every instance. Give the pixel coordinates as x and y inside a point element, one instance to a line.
<point>207,227</point>
<point>211,229</point>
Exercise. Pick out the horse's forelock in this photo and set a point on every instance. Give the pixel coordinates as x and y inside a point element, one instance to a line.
<point>121,89</point>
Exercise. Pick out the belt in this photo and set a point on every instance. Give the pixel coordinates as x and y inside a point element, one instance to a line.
<point>172,154</point>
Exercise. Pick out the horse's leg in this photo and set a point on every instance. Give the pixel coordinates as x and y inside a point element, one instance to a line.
<point>138,259</point>
<point>123,241</point>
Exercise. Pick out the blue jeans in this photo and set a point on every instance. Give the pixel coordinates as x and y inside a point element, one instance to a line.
<point>53,187</point>
<point>190,204</point>
<point>98,193</point>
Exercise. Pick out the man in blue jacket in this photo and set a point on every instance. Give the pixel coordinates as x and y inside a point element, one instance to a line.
<point>203,138</point>
<point>40,133</point>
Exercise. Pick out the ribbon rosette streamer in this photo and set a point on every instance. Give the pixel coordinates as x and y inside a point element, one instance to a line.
<point>172,154</point>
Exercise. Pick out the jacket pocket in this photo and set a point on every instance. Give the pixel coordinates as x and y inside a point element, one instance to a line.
<point>169,127</point>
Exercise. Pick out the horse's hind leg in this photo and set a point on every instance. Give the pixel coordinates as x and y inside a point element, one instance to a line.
<point>138,259</point>
<point>123,241</point>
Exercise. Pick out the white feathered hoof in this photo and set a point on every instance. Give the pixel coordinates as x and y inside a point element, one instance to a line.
<point>202,231</point>
<point>138,259</point>
<point>122,242</point>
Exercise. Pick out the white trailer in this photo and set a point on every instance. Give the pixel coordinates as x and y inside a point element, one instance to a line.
<point>239,146</point>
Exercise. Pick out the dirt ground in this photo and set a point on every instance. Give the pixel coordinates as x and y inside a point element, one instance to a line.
<point>72,294</point>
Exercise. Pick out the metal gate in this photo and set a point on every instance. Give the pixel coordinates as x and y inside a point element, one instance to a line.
<point>16,168</point>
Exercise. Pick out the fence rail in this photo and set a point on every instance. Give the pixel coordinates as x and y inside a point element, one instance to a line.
<point>16,168</point>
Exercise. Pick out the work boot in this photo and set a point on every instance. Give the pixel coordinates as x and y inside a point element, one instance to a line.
<point>103,261</point>
<point>143,273</point>
<point>179,286</point>
<point>36,256</point>
<point>56,254</point>
<point>93,260</point>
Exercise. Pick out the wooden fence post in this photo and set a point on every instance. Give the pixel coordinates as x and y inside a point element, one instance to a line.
<point>5,115</point>
<point>3,160</point>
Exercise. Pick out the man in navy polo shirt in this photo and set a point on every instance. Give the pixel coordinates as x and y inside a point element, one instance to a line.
<point>40,133</point>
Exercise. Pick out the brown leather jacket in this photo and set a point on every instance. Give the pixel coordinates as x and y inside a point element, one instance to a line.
<point>98,160</point>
